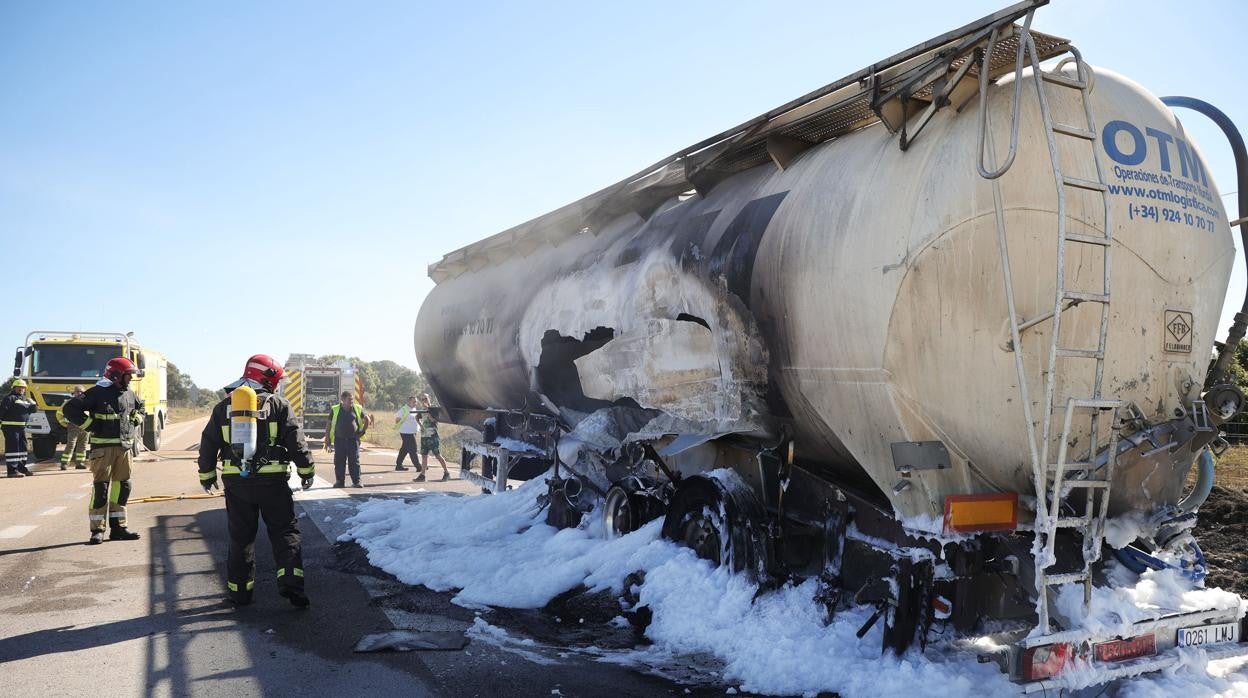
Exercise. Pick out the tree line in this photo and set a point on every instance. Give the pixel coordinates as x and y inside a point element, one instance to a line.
<point>386,384</point>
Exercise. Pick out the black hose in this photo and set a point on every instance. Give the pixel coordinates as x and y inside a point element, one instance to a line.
<point>1227,351</point>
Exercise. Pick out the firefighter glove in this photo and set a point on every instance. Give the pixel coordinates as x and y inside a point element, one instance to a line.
<point>209,484</point>
<point>307,482</point>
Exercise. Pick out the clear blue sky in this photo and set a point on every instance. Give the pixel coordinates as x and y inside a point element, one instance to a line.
<point>230,178</point>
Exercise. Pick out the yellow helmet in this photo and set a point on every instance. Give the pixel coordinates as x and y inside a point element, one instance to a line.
<point>19,383</point>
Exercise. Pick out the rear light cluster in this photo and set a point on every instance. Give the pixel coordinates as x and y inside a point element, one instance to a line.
<point>1047,661</point>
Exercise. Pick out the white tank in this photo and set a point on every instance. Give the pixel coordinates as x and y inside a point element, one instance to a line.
<point>857,299</point>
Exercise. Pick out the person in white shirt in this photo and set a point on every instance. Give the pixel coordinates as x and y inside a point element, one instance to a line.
<point>408,419</point>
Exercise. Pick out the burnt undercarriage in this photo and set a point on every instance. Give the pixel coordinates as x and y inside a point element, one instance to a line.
<point>777,522</point>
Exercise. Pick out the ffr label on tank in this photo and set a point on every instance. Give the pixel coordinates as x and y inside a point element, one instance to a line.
<point>1177,331</point>
<point>1160,176</point>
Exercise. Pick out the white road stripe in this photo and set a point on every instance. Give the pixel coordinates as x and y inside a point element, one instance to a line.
<point>16,531</point>
<point>52,512</point>
<point>85,484</point>
<point>71,495</point>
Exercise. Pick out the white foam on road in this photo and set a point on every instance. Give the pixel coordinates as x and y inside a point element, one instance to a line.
<point>52,512</point>
<point>16,531</point>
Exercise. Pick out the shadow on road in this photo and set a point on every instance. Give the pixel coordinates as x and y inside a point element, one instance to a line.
<point>41,548</point>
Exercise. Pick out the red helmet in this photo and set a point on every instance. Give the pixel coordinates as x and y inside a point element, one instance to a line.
<point>264,370</point>
<point>118,367</point>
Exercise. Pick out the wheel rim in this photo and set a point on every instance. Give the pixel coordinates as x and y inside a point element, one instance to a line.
<point>702,536</point>
<point>618,513</point>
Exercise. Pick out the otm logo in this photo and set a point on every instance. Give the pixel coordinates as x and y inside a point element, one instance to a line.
<point>1127,145</point>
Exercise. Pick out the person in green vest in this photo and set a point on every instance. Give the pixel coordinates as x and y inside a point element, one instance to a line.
<point>347,424</point>
<point>76,439</point>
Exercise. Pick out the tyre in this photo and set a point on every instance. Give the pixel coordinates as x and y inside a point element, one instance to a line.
<point>619,512</point>
<point>721,527</point>
<point>43,447</point>
<point>151,433</point>
<point>629,505</point>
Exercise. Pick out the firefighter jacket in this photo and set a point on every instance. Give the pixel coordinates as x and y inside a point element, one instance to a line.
<point>279,442</point>
<point>14,408</point>
<point>109,412</point>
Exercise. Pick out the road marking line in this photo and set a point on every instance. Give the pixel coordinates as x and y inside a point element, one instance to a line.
<point>52,512</point>
<point>16,531</point>
<point>86,484</point>
<point>71,495</point>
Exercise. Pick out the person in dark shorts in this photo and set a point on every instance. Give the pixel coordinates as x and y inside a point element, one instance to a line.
<point>429,440</point>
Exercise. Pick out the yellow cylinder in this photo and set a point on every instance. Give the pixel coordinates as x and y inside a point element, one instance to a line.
<point>243,426</point>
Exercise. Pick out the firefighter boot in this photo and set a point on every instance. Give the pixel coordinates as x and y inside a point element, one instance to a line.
<point>122,533</point>
<point>296,597</point>
<point>96,538</point>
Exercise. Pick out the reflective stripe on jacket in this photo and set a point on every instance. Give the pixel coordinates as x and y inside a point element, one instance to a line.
<point>109,412</point>
<point>285,444</point>
<point>14,409</point>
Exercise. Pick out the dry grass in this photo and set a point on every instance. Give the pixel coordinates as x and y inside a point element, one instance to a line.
<point>186,414</point>
<point>1232,470</point>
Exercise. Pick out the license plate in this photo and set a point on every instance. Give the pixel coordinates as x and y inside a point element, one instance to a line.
<point>1208,635</point>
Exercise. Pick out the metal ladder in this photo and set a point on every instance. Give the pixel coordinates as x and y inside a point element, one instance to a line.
<point>1054,480</point>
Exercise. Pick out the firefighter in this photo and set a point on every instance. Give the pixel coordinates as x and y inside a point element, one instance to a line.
<point>14,409</point>
<point>75,439</point>
<point>259,487</point>
<point>111,413</point>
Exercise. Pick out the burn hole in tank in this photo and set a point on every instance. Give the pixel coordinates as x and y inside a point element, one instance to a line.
<point>557,376</point>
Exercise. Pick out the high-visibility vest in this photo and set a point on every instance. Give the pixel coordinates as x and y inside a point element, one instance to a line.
<point>333,419</point>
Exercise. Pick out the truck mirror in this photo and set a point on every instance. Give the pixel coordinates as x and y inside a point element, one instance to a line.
<point>140,373</point>
<point>17,361</point>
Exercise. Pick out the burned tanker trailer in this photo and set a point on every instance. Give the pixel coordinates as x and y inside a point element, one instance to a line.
<point>873,336</point>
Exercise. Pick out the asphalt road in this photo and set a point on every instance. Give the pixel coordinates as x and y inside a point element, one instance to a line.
<point>148,617</point>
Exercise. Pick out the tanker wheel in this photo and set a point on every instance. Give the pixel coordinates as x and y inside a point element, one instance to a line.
<point>619,512</point>
<point>628,506</point>
<point>722,522</point>
<point>696,518</point>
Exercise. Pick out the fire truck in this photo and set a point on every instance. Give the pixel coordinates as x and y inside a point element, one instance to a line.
<point>53,362</point>
<point>313,387</point>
